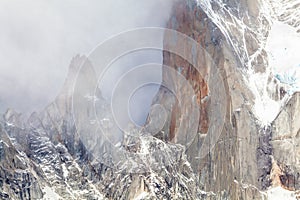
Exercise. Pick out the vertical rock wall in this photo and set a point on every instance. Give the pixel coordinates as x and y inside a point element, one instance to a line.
<point>239,166</point>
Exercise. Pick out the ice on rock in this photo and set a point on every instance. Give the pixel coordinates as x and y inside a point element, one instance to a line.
<point>283,52</point>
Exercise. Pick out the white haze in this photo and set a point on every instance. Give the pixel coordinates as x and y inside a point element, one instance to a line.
<point>38,38</point>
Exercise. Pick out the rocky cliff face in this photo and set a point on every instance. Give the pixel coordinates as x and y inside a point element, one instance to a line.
<point>250,156</point>
<point>285,139</point>
<point>246,145</point>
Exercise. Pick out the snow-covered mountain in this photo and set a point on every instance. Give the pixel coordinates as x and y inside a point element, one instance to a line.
<point>246,144</point>
<point>44,158</point>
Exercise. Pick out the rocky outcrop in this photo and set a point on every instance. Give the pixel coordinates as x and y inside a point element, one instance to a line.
<point>285,143</point>
<point>17,177</point>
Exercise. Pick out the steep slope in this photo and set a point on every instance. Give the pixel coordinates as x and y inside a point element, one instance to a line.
<point>234,33</point>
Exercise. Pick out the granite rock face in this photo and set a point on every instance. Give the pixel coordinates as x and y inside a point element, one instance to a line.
<point>285,142</point>
<point>241,164</point>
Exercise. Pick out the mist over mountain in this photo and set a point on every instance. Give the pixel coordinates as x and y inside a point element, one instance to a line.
<point>204,105</point>
<point>38,40</point>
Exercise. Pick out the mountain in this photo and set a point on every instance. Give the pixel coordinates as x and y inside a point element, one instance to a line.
<point>44,158</point>
<point>232,118</point>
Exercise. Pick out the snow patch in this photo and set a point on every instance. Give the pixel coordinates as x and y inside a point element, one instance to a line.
<point>283,51</point>
<point>49,194</point>
<point>144,146</point>
<point>264,108</point>
<point>279,193</point>
<point>282,48</point>
<point>65,171</point>
<point>10,124</point>
<point>141,196</point>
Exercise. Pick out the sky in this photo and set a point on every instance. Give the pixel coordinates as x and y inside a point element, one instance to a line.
<point>38,39</point>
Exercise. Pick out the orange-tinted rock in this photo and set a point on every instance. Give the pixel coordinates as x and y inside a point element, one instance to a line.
<point>188,22</point>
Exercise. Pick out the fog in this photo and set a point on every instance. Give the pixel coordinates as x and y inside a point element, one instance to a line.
<point>39,38</point>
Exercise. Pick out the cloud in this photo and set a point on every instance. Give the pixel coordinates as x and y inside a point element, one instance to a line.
<point>39,38</point>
